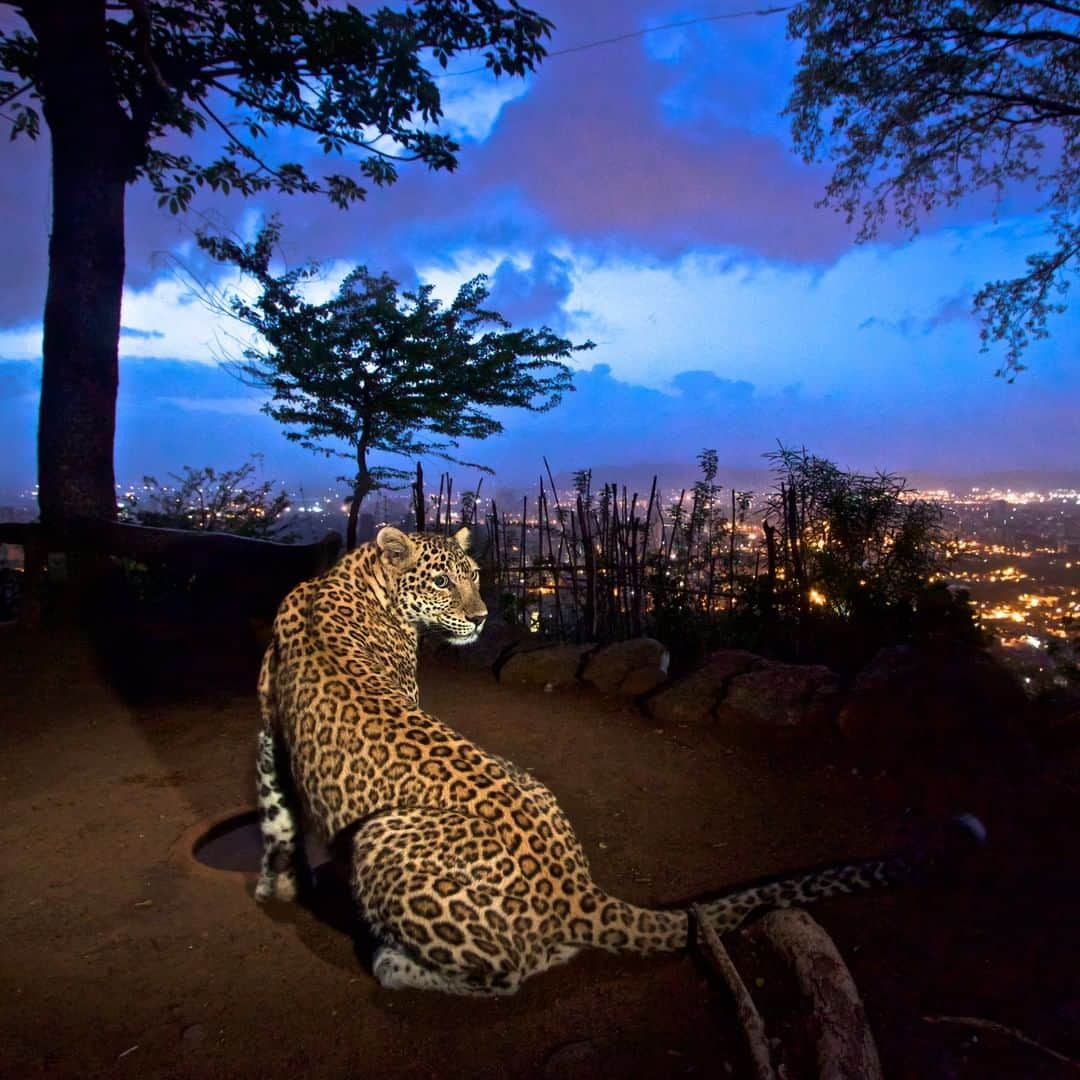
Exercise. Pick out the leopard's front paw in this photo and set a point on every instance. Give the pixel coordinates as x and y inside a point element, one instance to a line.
<point>280,886</point>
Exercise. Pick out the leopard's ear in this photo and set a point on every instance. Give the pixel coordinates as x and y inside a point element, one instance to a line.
<point>398,550</point>
<point>463,538</point>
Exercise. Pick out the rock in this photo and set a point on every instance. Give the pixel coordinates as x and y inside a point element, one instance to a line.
<point>573,1060</point>
<point>609,667</point>
<point>497,639</point>
<point>193,1034</point>
<point>723,664</point>
<point>775,695</point>
<point>689,700</point>
<point>907,696</point>
<point>641,681</point>
<point>693,699</point>
<point>549,666</point>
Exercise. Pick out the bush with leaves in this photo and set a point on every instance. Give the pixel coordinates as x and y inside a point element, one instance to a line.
<point>205,499</point>
<point>853,562</point>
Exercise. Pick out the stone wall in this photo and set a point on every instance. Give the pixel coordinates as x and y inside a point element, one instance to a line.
<point>905,697</point>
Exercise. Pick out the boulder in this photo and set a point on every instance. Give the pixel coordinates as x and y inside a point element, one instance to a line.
<point>909,697</point>
<point>689,700</point>
<point>549,667</point>
<point>609,667</point>
<point>642,681</point>
<point>693,699</point>
<point>496,640</point>
<point>775,695</point>
<point>724,664</point>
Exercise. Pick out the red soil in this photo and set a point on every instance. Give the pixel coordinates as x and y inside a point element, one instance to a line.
<point>124,956</point>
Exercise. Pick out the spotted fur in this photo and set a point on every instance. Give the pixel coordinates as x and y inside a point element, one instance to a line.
<point>468,872</point>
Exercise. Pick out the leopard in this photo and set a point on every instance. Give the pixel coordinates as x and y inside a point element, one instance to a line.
<point>463,866</point>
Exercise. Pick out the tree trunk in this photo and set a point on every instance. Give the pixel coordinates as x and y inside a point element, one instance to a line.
<point>418,498</point>
<point>92,161</point>
<point>362,485</point>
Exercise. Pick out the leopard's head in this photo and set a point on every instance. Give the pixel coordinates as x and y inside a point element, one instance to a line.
<point>437,582</point>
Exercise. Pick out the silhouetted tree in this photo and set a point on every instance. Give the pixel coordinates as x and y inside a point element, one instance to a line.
<point>921,103</point>
<point>120,81</point>
<point>852,558</point>
<point>383,370</point>
<point>225,501</point>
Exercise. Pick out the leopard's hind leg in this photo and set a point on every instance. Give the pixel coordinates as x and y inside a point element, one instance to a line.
<point>281,840</point>
<point>449,905</point>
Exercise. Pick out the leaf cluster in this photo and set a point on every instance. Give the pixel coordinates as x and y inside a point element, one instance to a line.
<point>851,540</point>
<point>205,499</point>
<point>922,102</point>
<point>357,82</point>
<point>381,369</point>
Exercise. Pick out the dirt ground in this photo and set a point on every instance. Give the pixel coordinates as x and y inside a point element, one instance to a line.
<point>124,956</point>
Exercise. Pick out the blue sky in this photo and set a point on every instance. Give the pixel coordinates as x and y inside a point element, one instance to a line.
<point>642,194</point>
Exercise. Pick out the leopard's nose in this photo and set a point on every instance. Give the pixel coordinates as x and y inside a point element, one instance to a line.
<point>478,620</point>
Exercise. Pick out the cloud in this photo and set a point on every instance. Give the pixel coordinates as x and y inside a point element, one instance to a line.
<point>836,330</point>
<point>19,379</point>
<point>473,103</point>
<point>533,293</point>
<point>231,406</point>
<point>641,194</point>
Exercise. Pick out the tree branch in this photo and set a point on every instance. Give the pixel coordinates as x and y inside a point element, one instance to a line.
<point>242,148</point>
<point>753,1026</point>
<point>279,117</point>
<point>140,17</point>
<point>9,98</point>
<point>1000,1029</point>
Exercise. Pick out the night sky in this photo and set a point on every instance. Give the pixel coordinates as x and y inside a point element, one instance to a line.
<point>642,194</point>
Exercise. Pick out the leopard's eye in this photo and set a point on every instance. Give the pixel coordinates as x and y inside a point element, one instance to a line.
<point>476,575</point>
<point>441,581</point>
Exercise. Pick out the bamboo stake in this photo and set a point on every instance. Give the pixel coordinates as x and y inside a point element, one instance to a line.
<point>522,583</point>
<point>757,1042</point>
<point>731,558</point>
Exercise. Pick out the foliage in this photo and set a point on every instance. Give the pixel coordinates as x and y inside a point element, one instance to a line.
<point>689,570</point>
<point>846,537</point>
<point>189,94</point>
<point>1064,656</point>
<point>357,81</point>
<point>843,565</point>
<point>386,371</point>
<point>215,501</point>
<point>921,103</point>
<point>853,562</point>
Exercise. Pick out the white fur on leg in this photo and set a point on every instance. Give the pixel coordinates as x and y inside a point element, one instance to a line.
<point>397,971</point>
<point>277,823</point>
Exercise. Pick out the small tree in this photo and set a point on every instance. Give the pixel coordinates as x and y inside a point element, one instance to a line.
<point>215,501</point>
<point>854,561</point>
<point>384,371</point>
<point>849,540</point>
<point>924,102</point>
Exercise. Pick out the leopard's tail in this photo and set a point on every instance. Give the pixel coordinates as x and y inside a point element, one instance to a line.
<point>620,927</point>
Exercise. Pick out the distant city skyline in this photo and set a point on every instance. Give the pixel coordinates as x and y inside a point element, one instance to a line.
<point>644,195</point>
